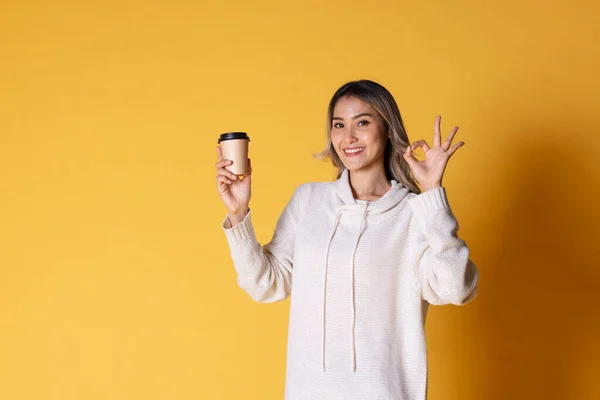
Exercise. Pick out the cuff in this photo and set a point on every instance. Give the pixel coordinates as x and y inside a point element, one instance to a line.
<point>239,232</point>
<point>431,200</point>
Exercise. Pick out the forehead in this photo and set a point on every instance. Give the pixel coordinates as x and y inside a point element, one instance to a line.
<point>348,106</point>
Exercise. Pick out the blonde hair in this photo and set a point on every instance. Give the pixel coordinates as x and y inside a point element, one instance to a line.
<point>383,102</point>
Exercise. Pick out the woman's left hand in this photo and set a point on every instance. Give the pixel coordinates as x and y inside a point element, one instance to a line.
<point>430,171</point>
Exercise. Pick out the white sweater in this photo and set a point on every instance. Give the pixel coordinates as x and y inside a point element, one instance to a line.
<point>361,276</point>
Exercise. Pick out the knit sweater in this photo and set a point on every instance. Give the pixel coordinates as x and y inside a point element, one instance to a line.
<point>360,276</point>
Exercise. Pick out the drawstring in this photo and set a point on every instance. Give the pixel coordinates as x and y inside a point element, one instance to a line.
<point>360,231</point>
<point>335,224</point>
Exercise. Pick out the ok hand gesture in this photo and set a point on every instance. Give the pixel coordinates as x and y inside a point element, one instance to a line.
<point>429,172</point>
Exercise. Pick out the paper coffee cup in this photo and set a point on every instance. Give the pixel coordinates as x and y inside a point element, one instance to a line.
<point>234,147</point>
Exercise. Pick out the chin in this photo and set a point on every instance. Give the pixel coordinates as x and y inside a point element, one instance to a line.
<point>351,167</point>
<point>356,166</point>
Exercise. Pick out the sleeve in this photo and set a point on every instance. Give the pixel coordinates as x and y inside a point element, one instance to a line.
<point>265,272</point>
<point>443,271</point>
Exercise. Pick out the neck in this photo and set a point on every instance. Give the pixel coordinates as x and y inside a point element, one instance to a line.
<point>369,184</point>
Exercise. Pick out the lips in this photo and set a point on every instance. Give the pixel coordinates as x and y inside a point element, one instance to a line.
<point>353,151</point>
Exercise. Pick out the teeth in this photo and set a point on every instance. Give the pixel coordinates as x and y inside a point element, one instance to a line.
<point>354,150</point>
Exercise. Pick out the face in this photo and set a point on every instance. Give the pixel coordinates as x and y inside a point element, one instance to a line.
<point>356,125</point>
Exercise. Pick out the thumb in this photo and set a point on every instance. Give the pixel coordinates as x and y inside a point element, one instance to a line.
<point>247,175</point>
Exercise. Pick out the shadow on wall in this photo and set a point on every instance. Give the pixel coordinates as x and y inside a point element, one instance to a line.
<point>538,317</point>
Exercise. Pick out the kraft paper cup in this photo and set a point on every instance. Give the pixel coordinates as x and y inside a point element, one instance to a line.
<point>234,147</point>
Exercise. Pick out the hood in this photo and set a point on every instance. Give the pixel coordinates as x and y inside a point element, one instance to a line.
<point>386,202</point>
<point>370,212</point>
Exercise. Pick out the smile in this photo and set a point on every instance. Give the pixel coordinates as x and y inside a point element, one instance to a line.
<point>354,151</point>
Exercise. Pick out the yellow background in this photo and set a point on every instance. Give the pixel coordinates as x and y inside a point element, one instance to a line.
<point>115,277</point>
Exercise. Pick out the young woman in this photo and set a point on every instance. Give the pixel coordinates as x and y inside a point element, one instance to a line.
<point>362,256</point>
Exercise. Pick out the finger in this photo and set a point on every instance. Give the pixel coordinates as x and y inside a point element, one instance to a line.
<point>223,163</point>
<point>410,159</point>
<point>420,143</point>
<point>223,179</point>
<point>437,136</point>
<point>450,137</point>
<point>249,166</point>
<point>454,148</point>
<point>227,173</point>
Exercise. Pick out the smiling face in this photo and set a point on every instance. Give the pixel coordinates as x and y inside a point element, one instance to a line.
<point>358,134</point>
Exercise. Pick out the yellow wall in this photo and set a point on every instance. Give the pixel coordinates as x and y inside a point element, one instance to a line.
<point>115,277</point>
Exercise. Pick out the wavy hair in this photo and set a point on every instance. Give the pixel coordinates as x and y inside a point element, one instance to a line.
<point>383,102</point>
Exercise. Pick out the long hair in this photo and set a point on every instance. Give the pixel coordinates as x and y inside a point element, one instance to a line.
<point>383,102</point>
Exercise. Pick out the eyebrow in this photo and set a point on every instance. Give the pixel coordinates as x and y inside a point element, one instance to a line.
<point>356,116</point>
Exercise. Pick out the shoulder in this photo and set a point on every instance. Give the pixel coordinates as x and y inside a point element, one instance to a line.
<point>429,201</point>
<point>411,197</point>
<point>310,194</point>
<point>314,189</point>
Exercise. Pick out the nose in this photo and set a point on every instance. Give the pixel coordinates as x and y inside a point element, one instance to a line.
<point>349,136</point>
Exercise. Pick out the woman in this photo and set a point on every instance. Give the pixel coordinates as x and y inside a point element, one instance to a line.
<point>363,256</point>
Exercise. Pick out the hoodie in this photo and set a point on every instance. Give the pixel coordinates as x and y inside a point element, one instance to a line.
<point>369,211</point>
<point>360,276</point>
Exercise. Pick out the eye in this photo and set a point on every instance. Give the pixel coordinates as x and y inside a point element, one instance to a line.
<point>338,125</point>
<point>360,123</point>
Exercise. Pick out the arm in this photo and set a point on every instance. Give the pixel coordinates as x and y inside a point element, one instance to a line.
<point>264,272</point>
<point>444,273</point>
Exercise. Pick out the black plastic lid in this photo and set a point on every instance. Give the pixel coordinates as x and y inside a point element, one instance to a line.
<point>233,135</point>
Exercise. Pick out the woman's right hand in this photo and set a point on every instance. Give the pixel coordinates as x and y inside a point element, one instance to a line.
<point>234,192</point>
